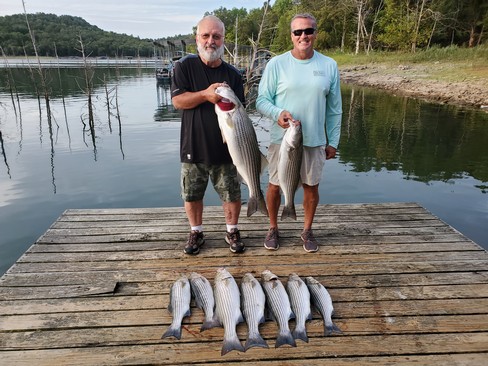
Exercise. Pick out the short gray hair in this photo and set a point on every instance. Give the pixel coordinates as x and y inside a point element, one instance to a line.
<point>304,16</point>
<point>213,18</point>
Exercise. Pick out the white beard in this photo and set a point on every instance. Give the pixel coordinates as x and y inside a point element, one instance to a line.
<point>209,53</point>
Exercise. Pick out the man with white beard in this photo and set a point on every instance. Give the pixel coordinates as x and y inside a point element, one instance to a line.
<point>203,153</point>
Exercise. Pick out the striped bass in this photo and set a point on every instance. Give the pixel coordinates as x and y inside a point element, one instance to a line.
<point>289,164</point>
<point>253,304</point>
<point>228,309</point>
<point>204,298</point>
<point>179,306</point>
<point>300,304</point>
<point>240,136</point>
<point>279,304</point>
<point>323,303</point>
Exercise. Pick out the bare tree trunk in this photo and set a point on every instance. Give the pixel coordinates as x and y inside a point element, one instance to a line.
<point>375,20</point>
<point>359,5</point>
<point>418,20</point>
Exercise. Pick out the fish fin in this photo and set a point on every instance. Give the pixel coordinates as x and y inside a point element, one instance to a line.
<point>300,334</point>
<point>289,212</point>
<point>232,345</point>
<point>172,332</point>
<point>285,338</point>
<point>331,328</point>
<point>255,341</point>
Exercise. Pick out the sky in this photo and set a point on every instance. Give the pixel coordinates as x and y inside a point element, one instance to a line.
<point>141,18</point>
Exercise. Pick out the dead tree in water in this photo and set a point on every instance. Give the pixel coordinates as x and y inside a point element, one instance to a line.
<point>88,89</point>
<point>11,85</point>
<point>42,75</point>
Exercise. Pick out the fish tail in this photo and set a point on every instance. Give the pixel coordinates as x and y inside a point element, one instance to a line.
<point>256,341</point>
<point>300,333</point>
<point>285,338</point>
<point>252,206</point>
<point>289,212</point>
<point>231,345</point>
<point>172,331</point>
<point>209,324</point>
<point>331,328</point>
<point>262,206</point>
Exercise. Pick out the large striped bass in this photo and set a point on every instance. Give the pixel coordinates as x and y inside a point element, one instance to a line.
<point>179,306</point>
<point>279,304</point>
<point>253,304</point>
<point>204,298</point>
<point>289,164</point>
<point>240,136</point>
<point>323,303</point>
<point>300,305</point>
<point>228,309</point>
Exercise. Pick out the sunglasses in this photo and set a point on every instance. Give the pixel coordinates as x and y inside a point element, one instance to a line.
<point>308,31</point>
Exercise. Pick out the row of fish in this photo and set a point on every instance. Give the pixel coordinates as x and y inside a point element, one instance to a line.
<point>222,306</point>
<point>240,136</point>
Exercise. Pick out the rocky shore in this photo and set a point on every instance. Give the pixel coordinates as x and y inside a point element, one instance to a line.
<point>418,81</point>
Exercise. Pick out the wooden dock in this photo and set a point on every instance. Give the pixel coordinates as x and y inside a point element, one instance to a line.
<point>94,289</point>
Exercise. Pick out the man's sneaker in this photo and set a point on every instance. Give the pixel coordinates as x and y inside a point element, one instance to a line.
<point>233,238</point>
<point>272,241</point>
<point>195,241</point>
<point>309,243</point>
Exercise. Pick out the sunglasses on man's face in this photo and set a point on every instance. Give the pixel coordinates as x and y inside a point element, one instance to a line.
<point>308,31</point>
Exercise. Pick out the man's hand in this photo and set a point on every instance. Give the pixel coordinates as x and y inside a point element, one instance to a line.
<point>330,152</point>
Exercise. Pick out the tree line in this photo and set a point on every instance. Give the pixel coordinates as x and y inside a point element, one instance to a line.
<point>346,25</point>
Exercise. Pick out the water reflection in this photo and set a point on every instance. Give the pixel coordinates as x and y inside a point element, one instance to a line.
<point>165,110</point>
<point>427,142</point>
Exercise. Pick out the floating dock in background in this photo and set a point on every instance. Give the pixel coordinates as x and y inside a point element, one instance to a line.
<point>94,289</point>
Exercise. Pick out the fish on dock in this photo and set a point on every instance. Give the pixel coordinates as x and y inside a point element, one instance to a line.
<point>179,306</point>
<point>289,165</point>
<point>204,298</point>
<point>323,303</point>
<point>253,306</point>
<point>228,309</point>
<point>279,304</point>
<point>300,305</point>
<point>239,135</point>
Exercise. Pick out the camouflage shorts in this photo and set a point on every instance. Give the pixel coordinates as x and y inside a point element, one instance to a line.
<point>194,180</point>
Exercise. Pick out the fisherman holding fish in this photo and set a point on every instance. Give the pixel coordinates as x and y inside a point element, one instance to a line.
<point>301,87</point>
<point>203,152</point>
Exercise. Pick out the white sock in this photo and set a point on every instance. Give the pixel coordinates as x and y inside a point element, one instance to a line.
<point>230,227</point>
<point>197,228</point>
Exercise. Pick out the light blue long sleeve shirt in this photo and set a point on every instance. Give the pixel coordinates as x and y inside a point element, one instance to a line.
<point>309,90</point>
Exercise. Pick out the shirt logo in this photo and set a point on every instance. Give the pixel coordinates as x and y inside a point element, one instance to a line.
<point>318,73</point>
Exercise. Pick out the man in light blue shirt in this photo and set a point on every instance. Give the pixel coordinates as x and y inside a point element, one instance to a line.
<point>301,85</point>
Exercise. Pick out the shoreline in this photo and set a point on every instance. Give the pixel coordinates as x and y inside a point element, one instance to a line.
<point>417,81</point>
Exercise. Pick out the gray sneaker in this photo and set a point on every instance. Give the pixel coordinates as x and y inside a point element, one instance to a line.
<point>195,241</point>
<point>272,241</point>
<point>310,245</point>
<point>233,238</point>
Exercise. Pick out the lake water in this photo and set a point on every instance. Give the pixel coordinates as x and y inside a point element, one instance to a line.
<point>392,149</point>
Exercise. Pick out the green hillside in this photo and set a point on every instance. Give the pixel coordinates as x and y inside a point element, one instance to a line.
<point>62,33</point>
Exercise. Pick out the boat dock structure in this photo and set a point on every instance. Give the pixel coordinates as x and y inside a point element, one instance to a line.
<point>94,289</point>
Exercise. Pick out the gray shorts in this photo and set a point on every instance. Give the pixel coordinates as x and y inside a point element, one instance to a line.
<point>313,162</point>
<point>194,180</point>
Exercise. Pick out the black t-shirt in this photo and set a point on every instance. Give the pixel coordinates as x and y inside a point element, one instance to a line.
<point>201,140</point>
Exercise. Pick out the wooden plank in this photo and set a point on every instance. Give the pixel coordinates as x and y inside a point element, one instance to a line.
<point>321,348</point>
<point>150,334</point>
<point>159,298</point>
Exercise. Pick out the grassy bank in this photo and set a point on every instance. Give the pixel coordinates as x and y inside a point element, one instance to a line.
<point>444,64</point>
